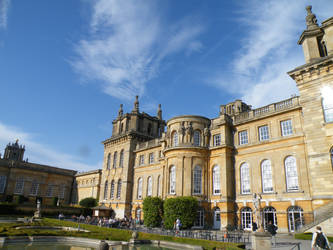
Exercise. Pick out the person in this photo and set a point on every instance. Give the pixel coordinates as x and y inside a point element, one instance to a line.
<point>271,228</point>
<point>319,240</point>
<point>254,226</point>
<point>178,225</point>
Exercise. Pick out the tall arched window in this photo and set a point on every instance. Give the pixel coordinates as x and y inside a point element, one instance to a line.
<point>175,138</point>
<point>149,186</point>
<point>108,161</point>
<point>245,178</point>
<point>119,189</point>
<point>196,137</point>
<point>197,180</point>
<point>172,180</point>
<point>158,185</point>
<point>115,159</point>
<point>121,158</point>
<point>112,189</point>
<point>140,189</point>
<point>266,175</point>
<point>106,190</point>
<point>332,157</point>
<point>216,180</point>
<point>291,173</point>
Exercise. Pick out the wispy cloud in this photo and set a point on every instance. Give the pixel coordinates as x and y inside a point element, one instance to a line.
<point>40,153</point>
<point>268,50</point>
<point>128,41</point>
<point>4,6</point>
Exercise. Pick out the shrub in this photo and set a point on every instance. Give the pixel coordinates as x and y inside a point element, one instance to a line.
<point>185,208</point>
<point>88,202</point>
<point>152,211</point>
<point>54,201</point>
<point>19,199</point>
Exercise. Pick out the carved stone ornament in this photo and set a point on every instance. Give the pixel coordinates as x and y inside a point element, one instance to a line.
<point>311,20</point>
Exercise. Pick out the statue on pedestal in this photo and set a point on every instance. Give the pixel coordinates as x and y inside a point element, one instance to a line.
<point>257,213</point>
<point>38,213</point>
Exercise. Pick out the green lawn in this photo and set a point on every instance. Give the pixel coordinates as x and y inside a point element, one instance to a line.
<point>308,236</point>
<point>102,233</point>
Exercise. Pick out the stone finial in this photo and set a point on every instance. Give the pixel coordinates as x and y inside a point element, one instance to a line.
<point>311,20</point>
<point>159,112</point>
<point>136,104</point>
<point>120,112</point>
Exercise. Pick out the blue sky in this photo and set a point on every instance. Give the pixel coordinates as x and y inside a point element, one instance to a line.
<point>65,66</point>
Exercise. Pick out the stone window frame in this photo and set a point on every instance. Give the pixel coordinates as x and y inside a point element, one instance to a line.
<point>286,127</point>
<point>172,179</point>
<point>217,140</point>
<point>290,166</point>
<point>197,180</point>
<point>49,190</point>
<point>197,138</point>
<point>3,182</point>
<point>19,185</point>
<point>175,139</point>
<point>62,191</point>
<point>216,179</point>
<point>106,190</point>
<point>141,160</point>
<point>243,137</point>
<point>115,156</point>
<point>245,179</point>
<point>263,133</point>
<point>149,186</point>
<point>139,195</point>
<point>151,158</point>
<point>266,176</point>
<point>112,190</point>
<point>121,158</point>
<point>108,162</point>
<point>34,188</point>
<point>327,109</point>
<point>246,218</point>
<point>119,183</point>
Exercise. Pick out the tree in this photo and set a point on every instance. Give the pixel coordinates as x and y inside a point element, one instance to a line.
<point>88,202</point>
<point>152,211</point>
<point>185,208</point>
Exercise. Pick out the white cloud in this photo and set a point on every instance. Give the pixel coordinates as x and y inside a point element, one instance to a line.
<point>268,50</point>
<point>39,153</point>
<point>127,43</point>
<point>4,6</point>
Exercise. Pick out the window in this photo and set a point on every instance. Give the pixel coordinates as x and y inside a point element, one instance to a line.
<point>121,158</point>
<point>106,190</point>
<point>286,128</point>
<point>217,140</point>
<point>119,189</point>
<point>243,139</point>
<point>172,180</point>
<point>291,173</point>
<point>149,186</point>
<point>62,190</point>
<point>216,180</point>
<point>141,160</point>
<point>158,186</point>
<point>151,158</point>
<point>112,190</point>
<point>3,180</point>
<point>175,139</point>
<point>19,186</point>
<point>49,190</point>
<point>245,178</point>
<point>197,179</point>
<point>266,174</point>
<point>263,133</point>
<point>140,188</point>
<point>108,161</point>
<point>197,138</point>
<point>295,218</point>
<point>115,159</point>
<point>246,217</point>
<point>328,107</point>
<point>34,188</point>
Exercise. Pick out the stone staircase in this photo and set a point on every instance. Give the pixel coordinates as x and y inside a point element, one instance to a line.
<point>321,214</point>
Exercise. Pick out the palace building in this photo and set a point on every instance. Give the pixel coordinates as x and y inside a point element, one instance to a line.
<point>282,152</point>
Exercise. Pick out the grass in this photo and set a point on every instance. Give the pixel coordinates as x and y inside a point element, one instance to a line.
<point>308,236</point>
<point>102,233</point>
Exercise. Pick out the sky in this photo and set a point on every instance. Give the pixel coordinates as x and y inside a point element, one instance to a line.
<point>66,66</point>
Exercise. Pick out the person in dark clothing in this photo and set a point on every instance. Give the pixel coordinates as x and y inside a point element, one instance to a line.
<point>254,226</point>
<point>271,228</point>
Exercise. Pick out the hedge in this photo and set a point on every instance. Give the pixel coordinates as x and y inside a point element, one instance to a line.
<point>152,211</point>
<point>185,208</point>
<point>88,202</point>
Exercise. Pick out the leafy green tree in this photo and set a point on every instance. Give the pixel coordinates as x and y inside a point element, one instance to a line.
<point>88,202</point>
<point>152,211</point>
<point>185,208</point>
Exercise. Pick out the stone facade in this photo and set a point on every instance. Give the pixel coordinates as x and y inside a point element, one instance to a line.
<point>31,181</point>
<point>88,184</point>
<point>281,152</point>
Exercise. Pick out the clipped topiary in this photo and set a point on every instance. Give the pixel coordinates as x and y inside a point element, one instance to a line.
<point>185,208</point>
<point>88,202</point>
<point>152,211</point>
